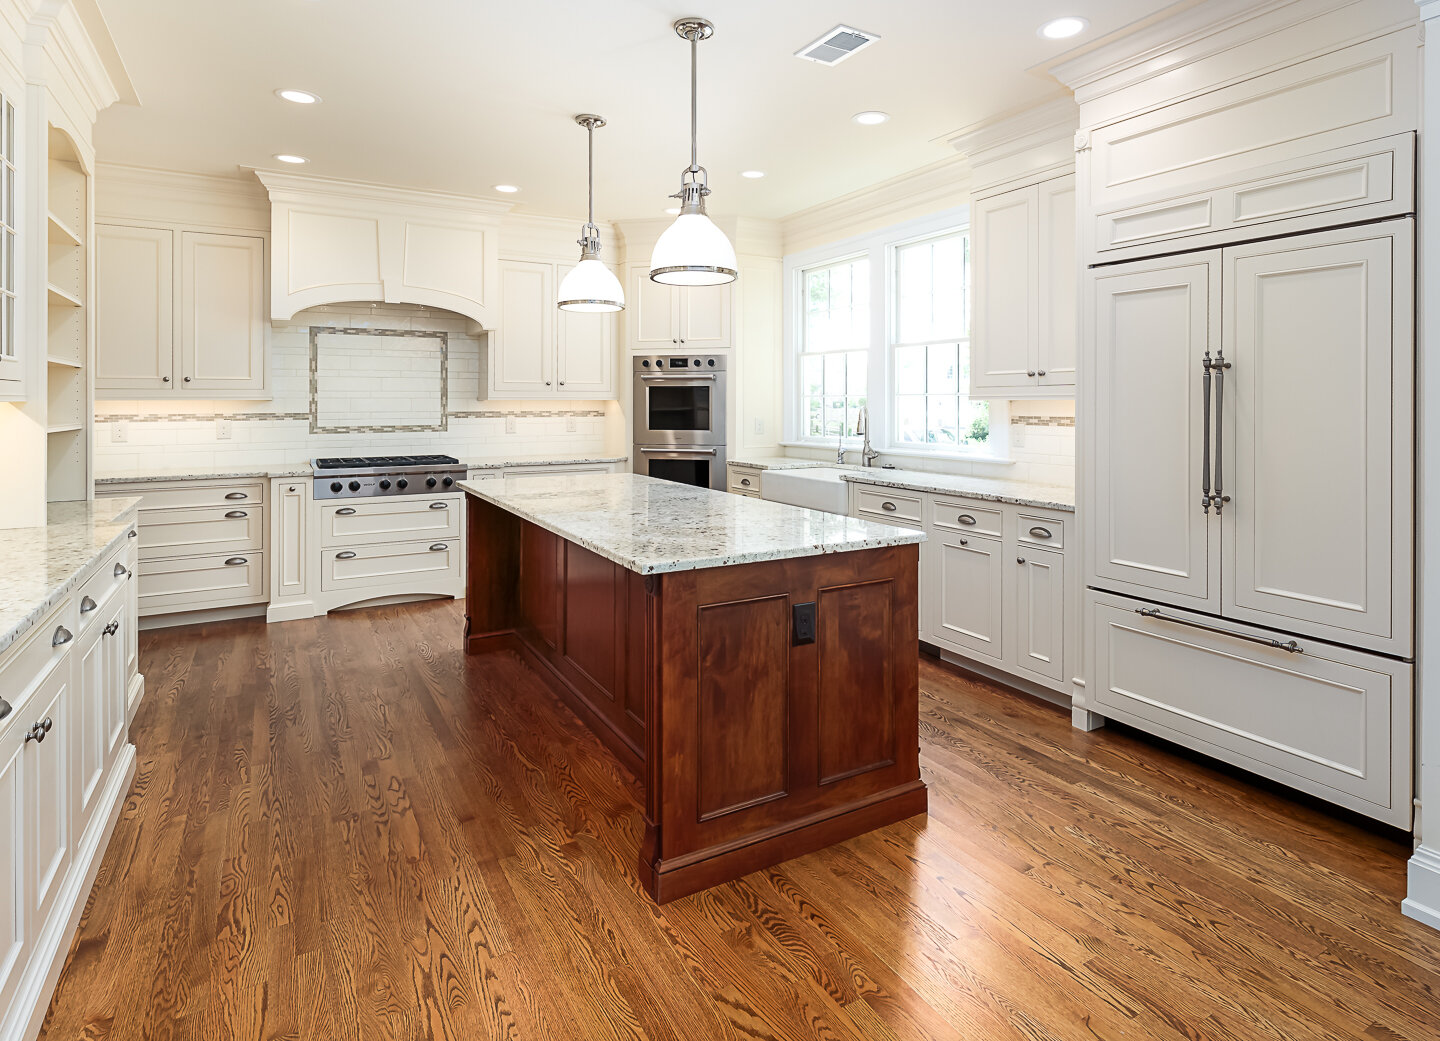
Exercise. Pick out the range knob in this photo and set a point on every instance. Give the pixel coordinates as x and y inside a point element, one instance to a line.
<point>402,484</point>
<point>447,482</point>
<point>336,486</point>
<point>429,482</point>
<point>354,486</point>
<point>384,484</point>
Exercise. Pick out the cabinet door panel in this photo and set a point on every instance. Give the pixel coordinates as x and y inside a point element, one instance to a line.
<point>585,353</point>
<point>87,729</point>
<point>47,795</point>
<point>290,541</point>
<point>14,948</point>
<point>651,318</point>
<point>1039,629</point>
<point>222,308</point>
<point>117,719</point>
<point>967,595</point>
<point>704,313</point>
<point>1058,313</point>
<point>1151,324</point>
<point>522,347</point>
<point>1317,532</point>
<point>1003,277</point>
<point>134,310</point>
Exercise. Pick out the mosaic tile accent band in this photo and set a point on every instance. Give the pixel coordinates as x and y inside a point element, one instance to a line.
<point>364,385</point>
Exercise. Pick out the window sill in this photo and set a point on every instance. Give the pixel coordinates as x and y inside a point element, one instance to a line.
<point>948,457</point>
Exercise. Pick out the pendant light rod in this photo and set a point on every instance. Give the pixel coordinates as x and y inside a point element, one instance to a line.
<point>590,285</point>
<point>694,92</point>
<point>590,234</point>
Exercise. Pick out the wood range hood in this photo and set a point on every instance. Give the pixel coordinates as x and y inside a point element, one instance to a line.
<point>335,241</point>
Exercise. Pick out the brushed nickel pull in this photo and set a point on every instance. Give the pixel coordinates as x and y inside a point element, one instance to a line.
<point>112,628</point>
<point>745,481</point>
<point>439,505</point>
<point>87,605</point>
<point>164,379</point>
<point>187,379</point>
<point>1039,372</point>
<point>966,518</point>
<point>964,542</point>
<point>888,506</point>
<point>292,487</point>
<point>1289,646</point>
<point>1220,366</point>
<point>121,569</point>
<point>438,546</point>
<point>134,534</point>
<point>1041,533</point>
<point>345,554</point>
<point>236,495</point>
<point>236,514</point>
<point>62,636</point>
<point>1019,560</point>
<point>233,561</point>
<point>345,511</point>
<point>1030,372</point>
<point>1205,441</point>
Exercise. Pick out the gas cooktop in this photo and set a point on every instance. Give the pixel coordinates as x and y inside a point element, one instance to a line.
<point>345,477</point>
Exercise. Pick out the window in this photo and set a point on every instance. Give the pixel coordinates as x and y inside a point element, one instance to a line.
<point>930,348</point>
<point>834,348</point>
<point>7,230</point>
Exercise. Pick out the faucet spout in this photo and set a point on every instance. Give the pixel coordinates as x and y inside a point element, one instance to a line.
<point>867,454</point>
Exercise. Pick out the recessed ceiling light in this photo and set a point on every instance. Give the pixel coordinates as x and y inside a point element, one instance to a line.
<point>294,159</point>
<point>871,118</point>
<point>299,97</point>
<point>754,175</point>
<point>506,188</point>
<point>672,210</point>
<point>1063,28</point>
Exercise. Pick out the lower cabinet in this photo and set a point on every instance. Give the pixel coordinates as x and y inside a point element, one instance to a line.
<point>966,606</point>
<point>1038,610</point>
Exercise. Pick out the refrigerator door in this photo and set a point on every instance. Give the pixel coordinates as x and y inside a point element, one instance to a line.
<point>1150,534</point>
<point>1319,468</point>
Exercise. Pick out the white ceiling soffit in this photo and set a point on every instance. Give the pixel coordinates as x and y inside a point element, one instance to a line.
<point>461,95</point>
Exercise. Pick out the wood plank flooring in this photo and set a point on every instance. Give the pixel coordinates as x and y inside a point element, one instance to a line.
<point>343,828</point>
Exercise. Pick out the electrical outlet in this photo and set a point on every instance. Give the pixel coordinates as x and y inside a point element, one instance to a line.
<point>759,425</point>
<point>222,429</point>
<point>119,432</point>
<point>1017,436</point>
<point>570,426</point>
<point>509,424</point>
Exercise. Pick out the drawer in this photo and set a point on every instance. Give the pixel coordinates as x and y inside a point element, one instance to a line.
<point>417,566</point>
<point>193,493</point>
<point>190,530</point>
<point>960,515</point>
<point>110,576</point>
<point>1034,529</point>
<point>744,480</point>
<point>891,507</point>
<point>1328,721</point>
<point>354,522</point>
<point>196,583</point>
<point>29,660</point>
<point>748,495</point>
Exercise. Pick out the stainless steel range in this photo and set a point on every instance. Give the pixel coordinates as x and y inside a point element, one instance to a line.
<point>350,477</point>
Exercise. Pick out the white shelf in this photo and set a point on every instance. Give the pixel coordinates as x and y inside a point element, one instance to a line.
<point>60,298</point>
<point>53,360</point>
<point>61,234</point>
<point>65,428</point>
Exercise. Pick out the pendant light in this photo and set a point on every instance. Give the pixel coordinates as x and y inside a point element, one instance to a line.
<point>693,251</point>
<point>590,285</point>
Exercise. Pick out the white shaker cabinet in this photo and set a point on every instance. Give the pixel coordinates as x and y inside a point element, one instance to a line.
<point>661,318</point>
<point>1023,271</point>
<point>1038,630</point>
<point>179,314</point>
<point>966,603</point>
<point>540,351</point>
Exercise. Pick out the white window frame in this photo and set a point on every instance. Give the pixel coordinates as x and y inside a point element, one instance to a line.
<point>879,246</point>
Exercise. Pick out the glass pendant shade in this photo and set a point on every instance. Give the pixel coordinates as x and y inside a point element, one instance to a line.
<point>693,252</point>
<point>591,286</point>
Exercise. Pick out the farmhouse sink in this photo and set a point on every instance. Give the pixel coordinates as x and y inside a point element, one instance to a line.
<point>815,488</point>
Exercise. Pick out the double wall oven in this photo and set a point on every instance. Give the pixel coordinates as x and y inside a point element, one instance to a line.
<point>679,407</point>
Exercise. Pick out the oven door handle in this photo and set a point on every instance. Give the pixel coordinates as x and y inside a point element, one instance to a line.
<point>679,376</point>
<point>680,451</point>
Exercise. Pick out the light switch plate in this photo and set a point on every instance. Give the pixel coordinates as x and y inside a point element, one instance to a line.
<point>570,424</point>
<point>759,425</point>
<point>509,424</point>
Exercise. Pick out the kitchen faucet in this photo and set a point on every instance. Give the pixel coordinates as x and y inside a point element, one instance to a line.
<point>867,454</point>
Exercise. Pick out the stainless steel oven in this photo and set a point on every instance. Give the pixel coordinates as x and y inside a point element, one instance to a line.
<point>679,400</point>
<point>700,465</point>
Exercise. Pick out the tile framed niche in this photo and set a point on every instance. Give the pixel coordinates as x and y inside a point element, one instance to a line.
<point>376,381</point>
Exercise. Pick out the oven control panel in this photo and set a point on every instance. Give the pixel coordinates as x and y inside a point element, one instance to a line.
<point>678,363</point>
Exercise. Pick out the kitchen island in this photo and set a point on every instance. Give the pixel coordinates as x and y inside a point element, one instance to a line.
<point>755,664</point>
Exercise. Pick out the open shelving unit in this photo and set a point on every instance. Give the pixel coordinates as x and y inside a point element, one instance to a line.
<point>68,376</point>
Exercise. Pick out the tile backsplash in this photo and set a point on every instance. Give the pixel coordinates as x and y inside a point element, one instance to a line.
<point>171,434</point>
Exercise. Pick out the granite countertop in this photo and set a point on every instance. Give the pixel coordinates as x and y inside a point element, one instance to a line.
<point>219,473</point>
<point>778,462</point>
<point>651,526</point>
<point>996,489</point>
<point>42,565</point>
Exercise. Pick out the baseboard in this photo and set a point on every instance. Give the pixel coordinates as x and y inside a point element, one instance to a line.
<point>52,947</point>
<point>1423,900</point>
<point>213,614</point>
<point>292,612</point>
<point>134,694</point>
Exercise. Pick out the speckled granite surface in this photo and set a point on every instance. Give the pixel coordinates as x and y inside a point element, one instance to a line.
<point>42,565</point>
<point>776,462</point>
<point>1044,496</point>
<point>161,473</point>
<point>652,526</point>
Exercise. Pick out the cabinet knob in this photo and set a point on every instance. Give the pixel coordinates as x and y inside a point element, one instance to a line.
<point>187,379</point>
<point>164,379</point>
<point>1030,372</point>
<point>964,542</point>
<point>112,628</point>
<point>547,383</point>
<point>292,487</point>
<point>1041,372</point>
<point>1019,560</point>
<point>562,383</point>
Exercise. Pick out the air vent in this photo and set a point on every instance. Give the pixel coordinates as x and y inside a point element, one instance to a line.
<point>836,45</point>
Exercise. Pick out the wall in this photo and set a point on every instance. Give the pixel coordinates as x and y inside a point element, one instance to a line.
<point>167,435</point>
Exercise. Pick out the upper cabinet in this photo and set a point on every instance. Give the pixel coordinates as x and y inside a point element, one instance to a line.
<point>661,318</point>
<point>540,351</point>
<point>336,241</point>
<point>179,312</point>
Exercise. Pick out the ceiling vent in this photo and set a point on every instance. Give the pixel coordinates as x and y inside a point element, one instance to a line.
<point>836,45</point>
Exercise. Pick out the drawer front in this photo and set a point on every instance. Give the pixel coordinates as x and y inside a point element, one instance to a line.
<point>1034,529</point>
<point>193,493</point>
<point>417,566</point>
<point>962,516</point>
<point>1331,722</point>
<point>349,523</point>
<point>891,507</point>
<point>201,529</point>
<point>26,662</point>
<point>110,576</point>
<point>965,596</point>
<point>744,481</point>
<point>195,583</point>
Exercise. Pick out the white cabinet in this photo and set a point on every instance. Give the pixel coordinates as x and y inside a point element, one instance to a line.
<point>14,941</point>
<point>1023,272</point>
<point>1038,611</point>
<point>966,606</point>
<point>539,351</point>
<point>661,318</point>
<point>47,802</point>
<point>179,313</point>
<point>291,557</point>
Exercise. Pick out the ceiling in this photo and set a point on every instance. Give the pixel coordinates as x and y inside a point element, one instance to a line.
<point>461,95</point>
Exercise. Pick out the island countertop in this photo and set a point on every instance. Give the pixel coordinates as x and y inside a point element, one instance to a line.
<point>651,526</point>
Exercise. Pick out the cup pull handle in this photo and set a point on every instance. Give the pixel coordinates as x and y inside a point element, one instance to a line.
<point>236,495</point>
<point>344,511</point>
<point>1041,533</point>
<point>345,554</point>
<point>62,636</point>
<point>233,561</point>
<point>87,605</point>
<point>236,514</point>
<point>888,506</point>
<point>439,505</point>
<point>966,518</point>
<point>438,546</point>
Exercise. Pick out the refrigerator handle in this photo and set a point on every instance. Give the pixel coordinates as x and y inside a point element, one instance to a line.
<point>1205,460</point>
<point>1220,365</point>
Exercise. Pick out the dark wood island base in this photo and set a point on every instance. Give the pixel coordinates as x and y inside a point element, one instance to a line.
<point>756,741</point>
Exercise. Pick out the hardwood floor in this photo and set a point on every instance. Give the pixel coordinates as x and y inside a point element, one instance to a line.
<point>344,828</point>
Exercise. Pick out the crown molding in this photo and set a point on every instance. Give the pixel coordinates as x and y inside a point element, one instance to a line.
<point>1016,131</point>
<point>102,44</point>
<point>291,187</point>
